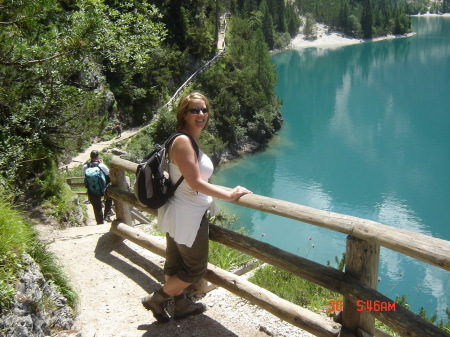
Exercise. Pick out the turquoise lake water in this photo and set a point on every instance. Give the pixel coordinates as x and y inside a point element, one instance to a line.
<point>366,133</point>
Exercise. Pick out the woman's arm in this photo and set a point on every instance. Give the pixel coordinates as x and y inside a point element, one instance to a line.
<point>183,155</point>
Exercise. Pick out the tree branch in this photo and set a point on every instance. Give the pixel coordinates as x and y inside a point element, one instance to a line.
<point>7,23</point>
<point>32,62</point>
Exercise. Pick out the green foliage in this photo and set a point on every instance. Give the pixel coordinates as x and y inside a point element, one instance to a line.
<point>156,133</point>
<point>41,106</point>
<point>274,18</point>
<point>294,289</point>
<point>54,54</point>
<point>367,19</point>
<point>191,24</point>
<point>403,301</point>
<point>226,258</point>
<point>446,6</point>
<point>340,263</point>
<point>434,319</point>
<point>164,126</point>
<point>309,30</point>
<point>14,231</point>
<point>282,40</point>
<point>130,32</point>
<point>209,143</point>
<point>18,237</point>
<point>51,270</point>
<point>241,85</point>
<point>65,207</point>
<point>424,6</point>
<point>15,236</point>
<point>364,18</point>
<point>221,255</point>
<point>141,144</point>
<point>138,66</point>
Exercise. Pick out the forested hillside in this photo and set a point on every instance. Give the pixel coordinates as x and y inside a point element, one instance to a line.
<point>70,69</point>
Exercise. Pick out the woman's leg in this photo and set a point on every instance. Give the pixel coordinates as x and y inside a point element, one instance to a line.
<point>183,266</point>
<point>174,286</point>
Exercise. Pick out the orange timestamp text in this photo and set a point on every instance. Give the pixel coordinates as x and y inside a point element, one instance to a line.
<point>365,305</point>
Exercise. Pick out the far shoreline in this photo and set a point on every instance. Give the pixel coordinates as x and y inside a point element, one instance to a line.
<point>335,39</point>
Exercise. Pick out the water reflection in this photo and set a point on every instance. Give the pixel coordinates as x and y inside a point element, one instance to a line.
<point>366,134</point>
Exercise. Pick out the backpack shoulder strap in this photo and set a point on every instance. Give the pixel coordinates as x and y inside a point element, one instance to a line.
<point>176,134</point>
<point>101,169</point>
<point>96,164</point>
<point>92,163</point>
<point>194,145</point>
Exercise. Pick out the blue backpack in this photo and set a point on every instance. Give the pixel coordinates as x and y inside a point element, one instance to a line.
<point>94,179</point>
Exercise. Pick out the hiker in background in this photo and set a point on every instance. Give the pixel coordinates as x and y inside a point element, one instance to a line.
<point>119,130</point>
<point>96,178</point>
<point>183,217</point>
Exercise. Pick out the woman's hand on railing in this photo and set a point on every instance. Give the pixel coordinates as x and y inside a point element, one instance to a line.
<point>238,192</point>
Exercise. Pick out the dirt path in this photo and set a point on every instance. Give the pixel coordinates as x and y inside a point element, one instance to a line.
<point>110,275</point>
<point>83,157</point>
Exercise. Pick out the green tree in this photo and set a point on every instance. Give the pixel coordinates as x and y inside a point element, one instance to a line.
<point>343,18</point>
<point>402,23</point>
<point>49,67</point>
<point>309,30</point>
<point>267,25</point>
<point>293,20</point>
<point>241,86</point>
<point>137,65</point>
<point>446,6</point>
<point>42,104</point>
<point>367,20</point>
<point>354,26</point>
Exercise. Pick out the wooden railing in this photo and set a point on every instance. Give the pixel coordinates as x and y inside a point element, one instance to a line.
<point>75,182</point>
<point>219,54</point>
<point>357,283</point>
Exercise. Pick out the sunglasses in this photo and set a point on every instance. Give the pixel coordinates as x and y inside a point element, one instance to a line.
<point>196,111</point>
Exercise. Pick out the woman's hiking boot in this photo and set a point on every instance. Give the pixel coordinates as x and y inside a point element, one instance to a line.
<point>156,302</point>
<point>184,306</point>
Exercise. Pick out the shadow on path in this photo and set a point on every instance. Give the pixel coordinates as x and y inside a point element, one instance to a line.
<point>198,326</point>
<point>110,242</point>
<point>148,276</point>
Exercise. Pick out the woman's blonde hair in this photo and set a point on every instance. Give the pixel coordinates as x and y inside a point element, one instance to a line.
<point>183,107</point>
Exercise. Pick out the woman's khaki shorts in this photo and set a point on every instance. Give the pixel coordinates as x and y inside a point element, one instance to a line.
<point>189,264</point>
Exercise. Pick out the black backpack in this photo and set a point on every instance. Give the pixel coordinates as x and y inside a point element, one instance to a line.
<point>152,187</point>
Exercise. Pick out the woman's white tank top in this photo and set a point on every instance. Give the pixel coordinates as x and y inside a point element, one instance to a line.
<point>181,215</point>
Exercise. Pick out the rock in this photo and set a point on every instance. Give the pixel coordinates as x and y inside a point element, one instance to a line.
<point>116,152</point>
<point>37,306</point>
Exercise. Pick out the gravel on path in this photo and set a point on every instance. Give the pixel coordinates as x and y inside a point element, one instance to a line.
<point>111,274</point>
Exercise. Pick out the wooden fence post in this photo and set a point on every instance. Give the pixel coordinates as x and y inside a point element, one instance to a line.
<point>361,262</point>
<point>123,211</point>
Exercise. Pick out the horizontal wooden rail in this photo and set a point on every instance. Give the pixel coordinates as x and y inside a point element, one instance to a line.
<point>296,315</point>
<point>76,185</point>
<point>404,321</point>
<point>71,183</point>
<point>419,246</point>
<point>75,182</point>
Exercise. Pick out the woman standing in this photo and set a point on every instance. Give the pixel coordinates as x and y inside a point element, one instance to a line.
<point>183,217</point>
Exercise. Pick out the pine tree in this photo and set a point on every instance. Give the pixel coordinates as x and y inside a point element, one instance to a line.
<point>267,25</point>
<point>446,6</point>
<point>367,20</point>
<point>342,21</point>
